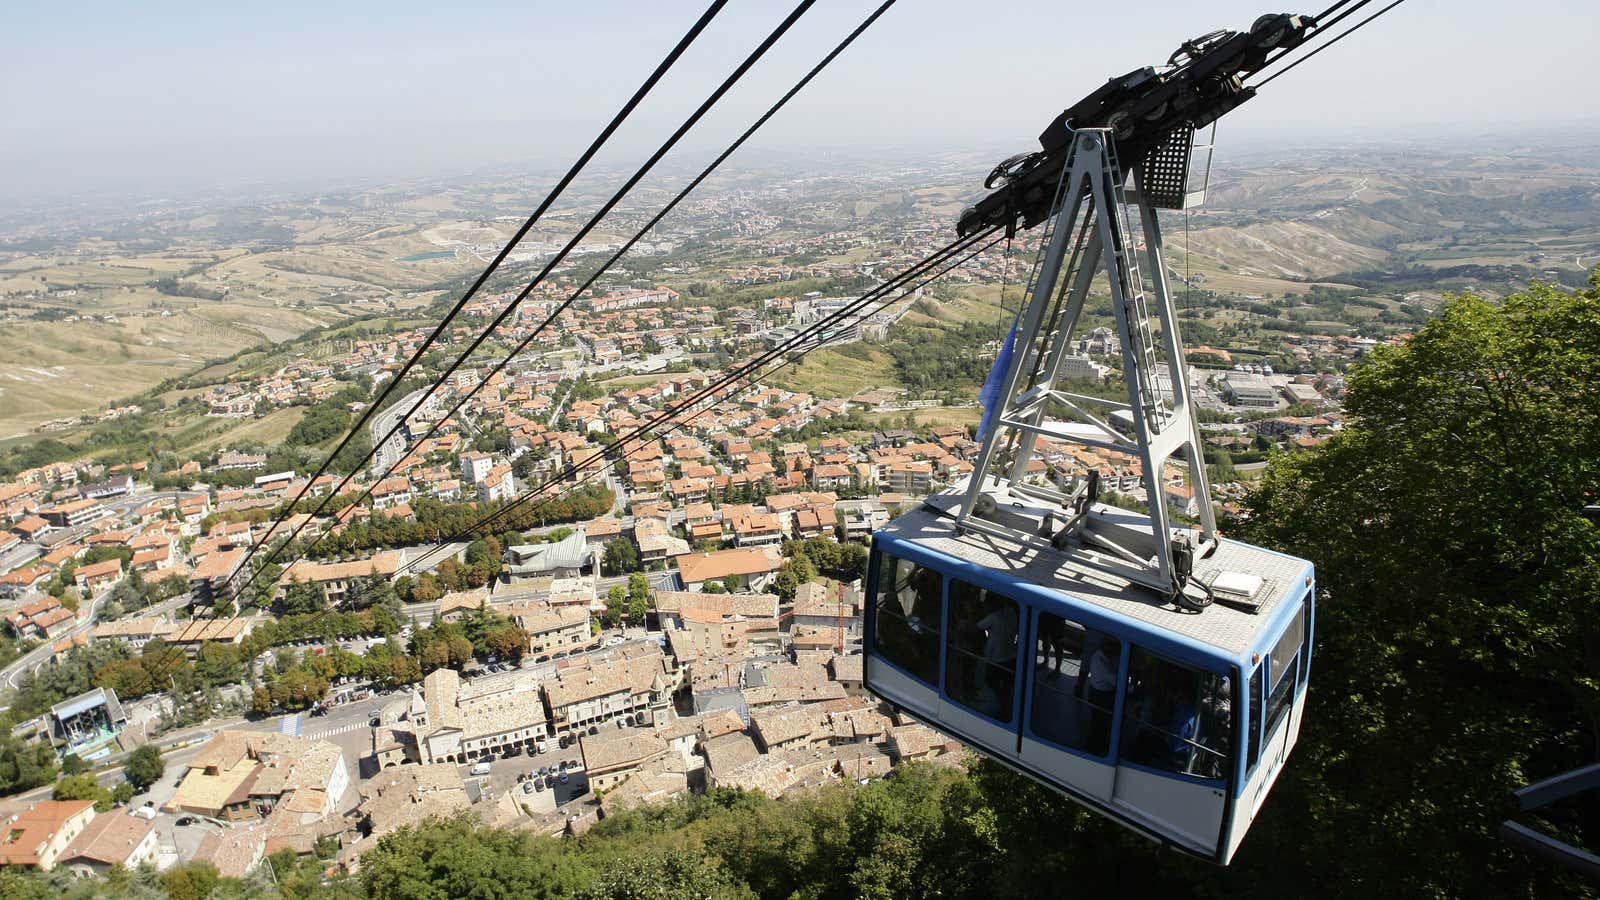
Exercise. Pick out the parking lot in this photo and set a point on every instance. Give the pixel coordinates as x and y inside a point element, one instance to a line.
<point>504,772</point>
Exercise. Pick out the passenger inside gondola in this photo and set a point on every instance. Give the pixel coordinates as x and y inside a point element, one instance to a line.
<point>907,626</point>
<point>980,667</point>
<point>1073,698</point>
<point>1176,719</point>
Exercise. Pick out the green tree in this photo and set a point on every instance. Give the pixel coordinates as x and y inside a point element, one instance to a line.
<point>616,599</point>
<point>671,875</point>
<point>73,764</point>
<point>638,598</point>
<point>621,557</point>
<point>638,588</point>
<point>301,597</point>
<point>144,767</point>
<point>190,881</point>
<point>83,787</point>
<point>24,764</point>
<point>784,584</point>
<point>454,858</point>
<point>1458,628</point>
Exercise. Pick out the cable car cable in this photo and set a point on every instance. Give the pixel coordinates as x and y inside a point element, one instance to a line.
<point>555,192</point>
<point>639,235</point>
<point>939,258</point>
<point>1341,36</point>
<point>1330,11</point>
<point>959,244</point>
<point>699,113</point>
<point>594,220</point>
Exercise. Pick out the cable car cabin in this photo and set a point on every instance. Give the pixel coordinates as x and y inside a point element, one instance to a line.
<point>1173,723</point>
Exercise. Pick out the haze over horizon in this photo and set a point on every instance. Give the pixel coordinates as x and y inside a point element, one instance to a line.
<point>220,99</point>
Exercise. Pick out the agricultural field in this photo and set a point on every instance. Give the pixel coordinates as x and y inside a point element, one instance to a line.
<point>103,308</point>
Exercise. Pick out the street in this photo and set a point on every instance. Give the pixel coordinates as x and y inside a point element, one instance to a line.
<point>120,506</point>
<point>41,654</point>
<point>391,450</point>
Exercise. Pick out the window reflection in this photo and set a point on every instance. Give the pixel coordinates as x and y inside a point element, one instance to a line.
<point>906,630</point>
<point>1074,684</point>
<point>981,666</point>
<point>1177,719</point>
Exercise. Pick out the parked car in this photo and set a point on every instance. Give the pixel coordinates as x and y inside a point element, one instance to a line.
<point>563,778</point>
<point>481,768</point>
<point>527,787</point>
<point>185,820</point>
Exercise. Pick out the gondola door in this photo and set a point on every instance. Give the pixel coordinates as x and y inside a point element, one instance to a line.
<point>981,693</point>
<point>1072,675</point>
<point>1175,748</point>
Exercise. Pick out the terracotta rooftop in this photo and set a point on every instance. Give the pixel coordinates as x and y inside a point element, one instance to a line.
<point>27,834</point>
<point>109,838</point>
<point>700,567</point>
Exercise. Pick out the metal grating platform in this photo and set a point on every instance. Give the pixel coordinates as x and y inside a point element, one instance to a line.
<point>1164,174</point>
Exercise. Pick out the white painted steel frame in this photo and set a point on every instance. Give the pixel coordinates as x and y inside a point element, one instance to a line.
<point>1095,188</point>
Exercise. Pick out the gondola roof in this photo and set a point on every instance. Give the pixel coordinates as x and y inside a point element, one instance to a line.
<point>1226,629</point>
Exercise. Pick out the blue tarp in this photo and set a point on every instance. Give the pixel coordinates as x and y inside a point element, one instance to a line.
<point>989,396</point>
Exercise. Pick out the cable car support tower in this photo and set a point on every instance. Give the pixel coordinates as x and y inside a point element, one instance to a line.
<point>1105,220</point>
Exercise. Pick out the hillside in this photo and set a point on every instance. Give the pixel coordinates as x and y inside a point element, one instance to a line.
<point>100,308</point>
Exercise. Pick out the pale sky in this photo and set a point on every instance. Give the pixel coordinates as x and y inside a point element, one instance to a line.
<point>145,97</point>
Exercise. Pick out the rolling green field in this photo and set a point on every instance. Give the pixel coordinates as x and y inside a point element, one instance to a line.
<point>831,373</point>
<point>212,434</point>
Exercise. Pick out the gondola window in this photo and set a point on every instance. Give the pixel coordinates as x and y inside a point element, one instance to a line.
<point>981,662</point>
<point>908,613</point>
<point>1074,685</point>
<point>1177,719</point>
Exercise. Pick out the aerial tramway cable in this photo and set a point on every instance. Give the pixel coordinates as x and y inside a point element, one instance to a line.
<point>727,84</point>
<point>699,113</point>
<point>941,257</point>
<point>639,235</point>
<point>555,192</point>
<point>789,95</point>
